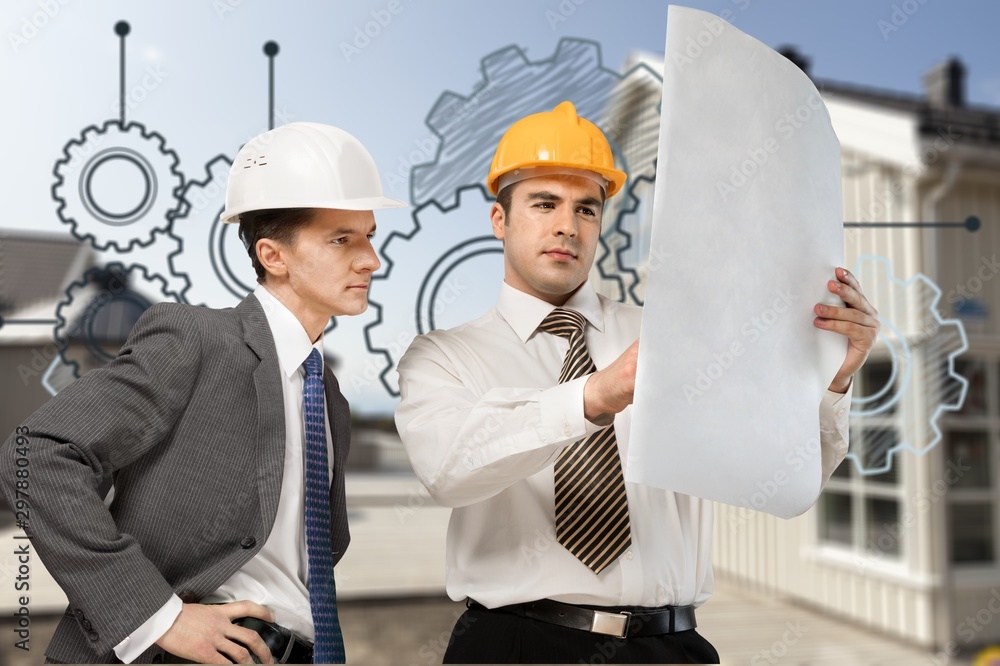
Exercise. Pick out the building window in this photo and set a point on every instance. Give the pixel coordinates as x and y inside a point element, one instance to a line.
<point>972,452</point>
<point>862,512</point>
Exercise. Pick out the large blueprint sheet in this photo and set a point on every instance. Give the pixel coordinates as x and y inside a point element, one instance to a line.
<point>747,210</point>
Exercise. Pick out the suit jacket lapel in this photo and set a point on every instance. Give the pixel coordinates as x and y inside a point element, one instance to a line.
<point>270,407</point>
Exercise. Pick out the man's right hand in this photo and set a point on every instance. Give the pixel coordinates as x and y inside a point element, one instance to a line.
<point>610,390</point>
<point>206,634</point>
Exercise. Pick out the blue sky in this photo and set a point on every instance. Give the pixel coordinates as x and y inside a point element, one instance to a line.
<point>197,75</point>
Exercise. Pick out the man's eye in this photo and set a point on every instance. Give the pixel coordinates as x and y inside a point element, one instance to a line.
<point>545,204</point>
<point>371,236</point>
<point>586,211</point>
<point>339,241</point>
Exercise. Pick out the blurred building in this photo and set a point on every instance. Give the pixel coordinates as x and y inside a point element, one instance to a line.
<point>902,542</point>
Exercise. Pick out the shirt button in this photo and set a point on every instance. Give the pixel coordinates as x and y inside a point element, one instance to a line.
<point>567,430</point>
<point>628,555</point>
<point>840,412</point>
<point>248,542</point>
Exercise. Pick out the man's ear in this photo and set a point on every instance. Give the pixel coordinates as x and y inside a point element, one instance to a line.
<point>499,220</point>
<point>270,255</point>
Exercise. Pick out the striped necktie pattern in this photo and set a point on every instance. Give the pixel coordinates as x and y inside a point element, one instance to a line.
<point>591,506</point>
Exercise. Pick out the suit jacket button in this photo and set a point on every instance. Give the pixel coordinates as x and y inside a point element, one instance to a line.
<point>158,659</point>
<point>248,542</point>
<point>93,636</point>
<point>188,597</point>
<point>78,613</point>
<point>87,625</point>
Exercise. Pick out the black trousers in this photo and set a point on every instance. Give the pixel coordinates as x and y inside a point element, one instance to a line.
<point>482,636</point>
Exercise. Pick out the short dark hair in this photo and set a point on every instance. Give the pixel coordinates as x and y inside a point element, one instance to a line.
<point>281,225</point>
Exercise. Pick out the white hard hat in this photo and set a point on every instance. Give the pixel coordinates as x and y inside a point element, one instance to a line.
<point>304,165</point>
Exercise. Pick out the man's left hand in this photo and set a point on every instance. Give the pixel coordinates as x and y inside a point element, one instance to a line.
<point>858,321</point>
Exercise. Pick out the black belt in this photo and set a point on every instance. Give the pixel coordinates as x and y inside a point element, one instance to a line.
<point>620,621</point>
<point>285,645</point>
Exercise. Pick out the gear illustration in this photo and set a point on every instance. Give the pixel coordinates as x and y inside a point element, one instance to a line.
<point>429,291</point>
<point>903,414</point>
<point>469,128</point>
<point>211,255</point>
<point>93,185</point>
<point>89,320</point>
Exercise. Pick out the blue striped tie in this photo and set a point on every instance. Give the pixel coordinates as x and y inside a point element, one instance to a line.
<point>329,644</point>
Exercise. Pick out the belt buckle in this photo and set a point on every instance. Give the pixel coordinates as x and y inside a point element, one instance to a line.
<point>611,624</point>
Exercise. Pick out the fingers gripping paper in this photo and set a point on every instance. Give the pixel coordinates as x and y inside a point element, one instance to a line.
<point>747,208</point>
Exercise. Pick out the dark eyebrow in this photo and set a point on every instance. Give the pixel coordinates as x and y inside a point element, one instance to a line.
<point>591,201</point>
<point>544,196</point>
<point>347,231</point>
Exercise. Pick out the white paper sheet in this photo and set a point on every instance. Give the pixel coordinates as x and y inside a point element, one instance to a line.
<point>747,208</point>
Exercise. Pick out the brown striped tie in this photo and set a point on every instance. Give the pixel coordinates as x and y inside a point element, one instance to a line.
<point>591,506</point>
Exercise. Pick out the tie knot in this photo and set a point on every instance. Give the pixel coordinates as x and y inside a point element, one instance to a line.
<point>313,364</point>
<point>563,322</point>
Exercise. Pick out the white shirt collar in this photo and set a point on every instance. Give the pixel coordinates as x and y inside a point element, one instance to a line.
<point>525,312</point>
<point>290,338</point>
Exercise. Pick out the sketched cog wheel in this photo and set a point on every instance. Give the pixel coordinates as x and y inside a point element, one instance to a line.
<point>423,290</point>
<point>93,185</point>
<point>88,320</point>
<point>911,327</point>
<point>211,255</point>
<point>625,106</point>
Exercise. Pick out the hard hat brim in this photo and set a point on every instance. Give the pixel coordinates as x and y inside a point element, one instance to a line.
<point>368,203</point>
<point>616,179</point>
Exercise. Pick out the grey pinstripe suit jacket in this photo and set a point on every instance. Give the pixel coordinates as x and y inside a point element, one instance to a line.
<point>190,421</point>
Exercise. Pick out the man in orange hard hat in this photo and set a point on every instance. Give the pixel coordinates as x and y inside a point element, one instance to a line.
<point>226,435</point>
<point>517,420</point>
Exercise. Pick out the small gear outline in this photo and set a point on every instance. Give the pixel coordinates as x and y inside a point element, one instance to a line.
<point>393,329</point>
<point>118,274</point>
<point>943,339</point>
<point>83,156</point>
<point>197,224</point>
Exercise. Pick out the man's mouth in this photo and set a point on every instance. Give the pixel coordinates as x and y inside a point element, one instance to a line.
<point>561,254</point>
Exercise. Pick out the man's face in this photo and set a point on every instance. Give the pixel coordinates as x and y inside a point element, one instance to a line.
<point>330,264</point>
<point>550,235</point>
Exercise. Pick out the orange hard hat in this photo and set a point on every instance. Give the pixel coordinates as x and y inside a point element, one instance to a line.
<point>557,139</point>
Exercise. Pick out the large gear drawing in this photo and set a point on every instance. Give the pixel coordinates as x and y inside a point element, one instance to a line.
<point>424,288</point>
<point>468,129</point>
<point>103,294</point>
<point>119,152</point>
<point>911,326</point>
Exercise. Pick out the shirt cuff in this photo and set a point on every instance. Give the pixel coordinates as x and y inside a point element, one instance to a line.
<point>149,631</point>
<point>562,413</point>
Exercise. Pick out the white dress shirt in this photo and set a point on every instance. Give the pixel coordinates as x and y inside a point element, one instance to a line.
<point>277,576</point>
<point>482,419</point>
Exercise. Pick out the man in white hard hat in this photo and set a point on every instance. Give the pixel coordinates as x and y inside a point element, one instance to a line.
<point>226,437</point>
<point>517,420</point>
